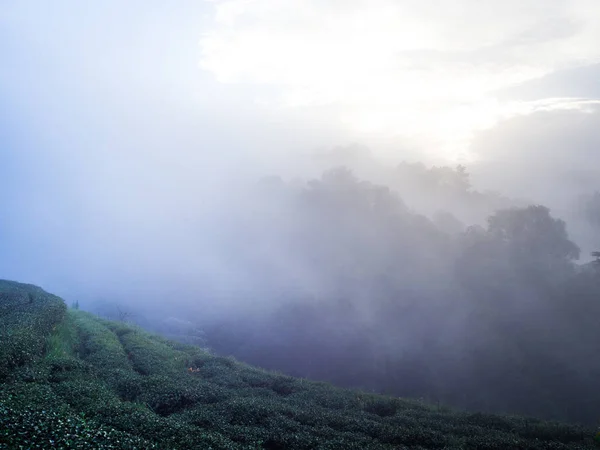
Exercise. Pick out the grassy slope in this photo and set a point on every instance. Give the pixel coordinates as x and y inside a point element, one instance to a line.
<point>72,380</point>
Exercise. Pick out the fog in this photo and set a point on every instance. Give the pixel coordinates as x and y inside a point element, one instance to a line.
<point>230,174</point>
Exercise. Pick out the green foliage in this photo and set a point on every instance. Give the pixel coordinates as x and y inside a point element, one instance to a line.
<point>150,356</point>
<point>62,341</point>
<point>110,385</point>
<point>42,429</point>
<point>28,314</point>
<point>99,345</point>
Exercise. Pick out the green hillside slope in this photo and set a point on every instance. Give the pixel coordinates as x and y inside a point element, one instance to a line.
<point>72,380</point>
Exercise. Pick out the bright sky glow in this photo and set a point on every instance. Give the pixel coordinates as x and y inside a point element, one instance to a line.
<point>407,68</point>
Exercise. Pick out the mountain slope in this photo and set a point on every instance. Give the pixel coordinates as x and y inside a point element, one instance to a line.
<point>72,380</point>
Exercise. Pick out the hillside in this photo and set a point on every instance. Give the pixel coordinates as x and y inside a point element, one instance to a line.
<point>73,380</point>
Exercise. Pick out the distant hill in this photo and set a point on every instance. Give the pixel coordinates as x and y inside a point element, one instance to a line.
<point>72,380</point>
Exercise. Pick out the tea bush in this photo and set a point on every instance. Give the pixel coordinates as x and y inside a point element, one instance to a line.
<point>73,380</point>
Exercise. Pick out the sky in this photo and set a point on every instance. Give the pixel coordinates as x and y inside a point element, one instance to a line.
<point>433,71</point>
<point>123,125</point>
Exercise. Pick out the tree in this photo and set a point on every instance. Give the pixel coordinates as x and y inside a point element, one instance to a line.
<point>532,234</point>
<point>522,250</point>
<point>435,179</point>
<point>447,222</point>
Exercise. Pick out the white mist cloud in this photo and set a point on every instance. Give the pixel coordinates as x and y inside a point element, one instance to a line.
<point>118,151</point>
<point>411,68</point>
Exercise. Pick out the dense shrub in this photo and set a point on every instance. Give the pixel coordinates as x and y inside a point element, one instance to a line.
<point>90,383</point>
<point>35,429</point>
<point>28,315</point>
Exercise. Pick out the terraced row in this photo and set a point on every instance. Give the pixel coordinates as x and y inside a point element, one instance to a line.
<point>110,385</point>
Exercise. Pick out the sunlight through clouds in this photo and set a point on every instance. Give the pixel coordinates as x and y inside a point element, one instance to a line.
<point>399,67</point>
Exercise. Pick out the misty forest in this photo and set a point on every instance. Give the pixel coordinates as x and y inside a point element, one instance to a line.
<point>300,224</point>
<point>346,283</point>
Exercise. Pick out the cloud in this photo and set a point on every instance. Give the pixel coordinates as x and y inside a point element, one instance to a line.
<point>117,148</point>
<point>413,68</point>
<point>548,156</point>
<point>362,42</point>
<point>578,82</point>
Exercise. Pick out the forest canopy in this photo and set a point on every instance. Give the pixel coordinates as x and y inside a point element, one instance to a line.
<point>344,281</point>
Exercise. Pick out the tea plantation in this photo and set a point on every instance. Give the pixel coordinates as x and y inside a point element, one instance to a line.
<point>69,379</point>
